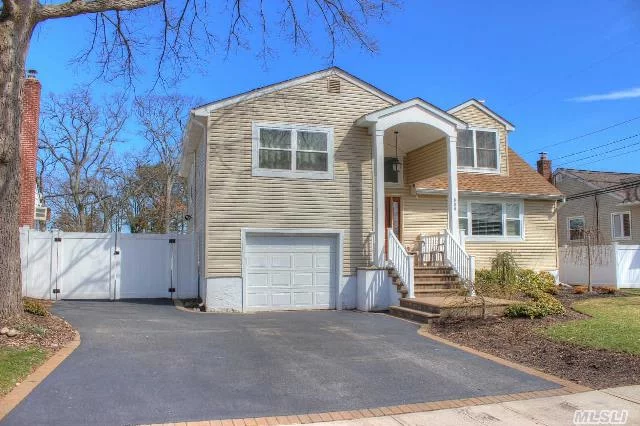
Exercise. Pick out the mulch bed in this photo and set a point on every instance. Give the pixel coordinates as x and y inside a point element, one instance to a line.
<point>46,332</point>
<point>520,340</point>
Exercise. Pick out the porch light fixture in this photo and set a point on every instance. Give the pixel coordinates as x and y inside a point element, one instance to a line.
<point>396,164</point>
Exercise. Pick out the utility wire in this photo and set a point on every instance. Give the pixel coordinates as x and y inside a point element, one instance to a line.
<point>584,135</point>
<point>611,156</point>
<point>612,188</point>
<point>594,148</point>
<point>600,153</point>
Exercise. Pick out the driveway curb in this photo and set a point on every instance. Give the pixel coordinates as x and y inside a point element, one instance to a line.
<point>20,392</point>
<point>566,388</point>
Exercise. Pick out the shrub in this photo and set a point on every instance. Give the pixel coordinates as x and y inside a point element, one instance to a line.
<point>34,307</point>
<point>605,290</point>
<point>505,268</point>
<point>530,281</point>
<point>543,305</point>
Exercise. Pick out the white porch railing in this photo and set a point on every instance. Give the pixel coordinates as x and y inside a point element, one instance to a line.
<point>401,261</point>
<point>444,248</point>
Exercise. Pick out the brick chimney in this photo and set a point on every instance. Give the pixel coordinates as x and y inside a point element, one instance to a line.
<point>29,129</point>
<point>544,167</point>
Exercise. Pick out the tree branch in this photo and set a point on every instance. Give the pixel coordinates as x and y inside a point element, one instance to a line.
<point>79,7</point>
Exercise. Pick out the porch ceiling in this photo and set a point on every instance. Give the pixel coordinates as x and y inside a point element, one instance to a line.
<point>410,136</point>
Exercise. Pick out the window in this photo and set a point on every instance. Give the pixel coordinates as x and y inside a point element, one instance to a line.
<point>292,151</point>
<point>390,175</point>
<point>621,225</point>
<point>576,228</point>
<point>491,220</point>
<point>478,149</point>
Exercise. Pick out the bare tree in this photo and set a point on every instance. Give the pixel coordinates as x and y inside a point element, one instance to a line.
<point>79,135</point>
<point>122,29</point>
<point>162,120</point>
<point>589,250</point>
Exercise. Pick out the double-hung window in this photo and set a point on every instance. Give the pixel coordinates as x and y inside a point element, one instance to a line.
<point>478,149</point>
<point>491,220</point>
<point>575,227</point>
<point>295,151</point>
<point>621,225</point>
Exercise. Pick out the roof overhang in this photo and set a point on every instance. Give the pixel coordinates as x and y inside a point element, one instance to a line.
<point>550,197</point>
<point>413,111</point>
<point>481,106</point>
<point>204,110</point>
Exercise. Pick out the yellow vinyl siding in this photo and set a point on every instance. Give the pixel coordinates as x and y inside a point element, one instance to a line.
<point>425,162</point>
<point>238,200</point>
<point>475,117</point>
<point>428,215</point>
<point>538,251</point>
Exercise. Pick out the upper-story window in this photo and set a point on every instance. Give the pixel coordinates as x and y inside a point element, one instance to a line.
<point>621,225</point>
<point>478,149</point>
<point>296,151</point>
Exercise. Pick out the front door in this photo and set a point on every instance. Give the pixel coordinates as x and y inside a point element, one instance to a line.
<point>392,219</point>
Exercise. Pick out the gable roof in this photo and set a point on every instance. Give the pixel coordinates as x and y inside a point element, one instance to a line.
<point>603,180</point>
<point>328,72</point>
<point>419,102</point>
<point>522,181</point>
<point>482,107</point>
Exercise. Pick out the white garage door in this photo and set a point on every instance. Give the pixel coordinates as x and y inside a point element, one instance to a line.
<point>285,272</point>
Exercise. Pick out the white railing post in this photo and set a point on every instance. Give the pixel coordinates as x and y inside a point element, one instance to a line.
<point>410,284</point>
<point>472,274</point>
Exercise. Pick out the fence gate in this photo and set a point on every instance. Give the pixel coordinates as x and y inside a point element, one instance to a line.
<point>77,265</point>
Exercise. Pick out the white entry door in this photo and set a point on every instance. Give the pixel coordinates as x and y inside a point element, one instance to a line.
<point>290,272</point>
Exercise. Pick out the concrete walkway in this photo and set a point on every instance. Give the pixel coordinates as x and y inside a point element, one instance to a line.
<point>557,410</point>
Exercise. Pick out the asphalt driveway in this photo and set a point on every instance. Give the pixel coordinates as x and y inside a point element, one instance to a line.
<point>145,362</point>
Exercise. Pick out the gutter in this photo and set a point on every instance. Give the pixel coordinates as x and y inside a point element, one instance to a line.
<point>424,191</point>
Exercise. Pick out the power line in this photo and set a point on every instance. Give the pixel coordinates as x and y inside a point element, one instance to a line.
<point>597,147</point>
<point>600,153</point>
<point>584,135</point>
<point>612,188</point>
<point>612,156</point>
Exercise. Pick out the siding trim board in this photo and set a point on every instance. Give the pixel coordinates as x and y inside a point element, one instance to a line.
<point>338,234</point>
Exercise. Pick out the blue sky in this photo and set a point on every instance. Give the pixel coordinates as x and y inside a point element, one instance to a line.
<point>556,69</point>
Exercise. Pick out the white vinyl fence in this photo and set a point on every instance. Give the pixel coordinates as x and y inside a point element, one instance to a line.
<point>79,265</point>
<point>614,265</point>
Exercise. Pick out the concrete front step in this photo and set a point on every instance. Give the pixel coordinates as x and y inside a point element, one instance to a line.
<point>437,284</point>
<point>457,305</point>
<point>412,314</point>
<point>443,292</point>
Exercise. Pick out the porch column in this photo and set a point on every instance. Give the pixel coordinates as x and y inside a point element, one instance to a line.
<point>452,157</point>
<point>378,196</point>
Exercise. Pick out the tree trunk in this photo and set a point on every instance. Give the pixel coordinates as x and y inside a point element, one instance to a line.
<point>16,26</point>
<point>167,206</point>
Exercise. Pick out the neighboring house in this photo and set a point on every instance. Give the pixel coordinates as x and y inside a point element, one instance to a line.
<point>615,214</point>
<point>292,188</point>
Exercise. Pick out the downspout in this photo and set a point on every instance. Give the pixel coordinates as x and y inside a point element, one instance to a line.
<point>202,304</point>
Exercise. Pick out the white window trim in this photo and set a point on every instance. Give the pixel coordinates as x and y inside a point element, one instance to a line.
<point>496,238</point>
<point>293,173</point>
<point>584,222</point>
<point>613,237</point>
<point>475,168</point>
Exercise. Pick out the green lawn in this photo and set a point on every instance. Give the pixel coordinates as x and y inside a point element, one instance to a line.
<point>16,364</point>
<point>615,325</point>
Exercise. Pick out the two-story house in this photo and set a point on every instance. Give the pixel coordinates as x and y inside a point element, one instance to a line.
<point>297,186</point>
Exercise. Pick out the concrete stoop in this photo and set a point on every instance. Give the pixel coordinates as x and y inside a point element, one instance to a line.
<point>428,309</point>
